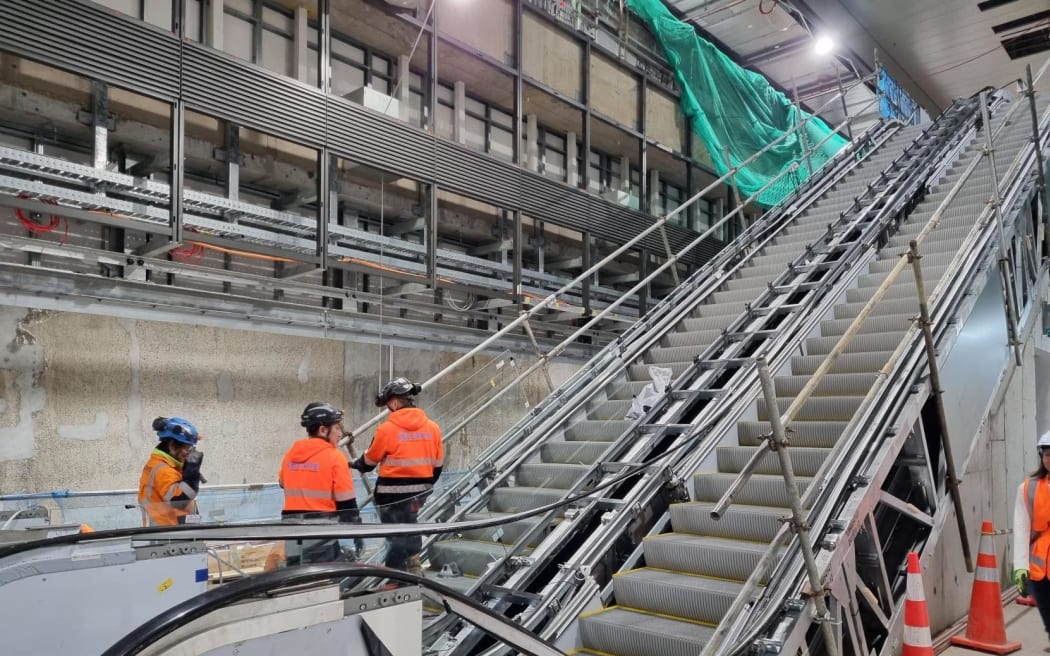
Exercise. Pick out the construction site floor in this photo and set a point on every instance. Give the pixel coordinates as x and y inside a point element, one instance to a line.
<point>1022,624</point>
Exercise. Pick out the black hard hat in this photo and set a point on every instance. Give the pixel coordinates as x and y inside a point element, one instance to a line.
<point>320,414</point>
<point>397,387</point>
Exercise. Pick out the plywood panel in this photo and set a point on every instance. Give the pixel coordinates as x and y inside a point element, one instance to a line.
<point>551,56</point>
<point>663,121</point>
<point>613,91</point>
<point>488,30</point>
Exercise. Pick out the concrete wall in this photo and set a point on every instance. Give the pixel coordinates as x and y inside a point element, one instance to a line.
<point>78,392</point>
<point>551,56</point>
<point>999,457</point>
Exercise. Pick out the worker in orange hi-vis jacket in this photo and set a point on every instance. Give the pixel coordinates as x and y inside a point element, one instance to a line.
<point>171,477</point>
<point>407,449</point>
<point>315,477</point>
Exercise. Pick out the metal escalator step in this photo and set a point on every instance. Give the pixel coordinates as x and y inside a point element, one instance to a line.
<point>898,306</point>
<point>929,274</point>
<point>760,490</point>
<point>578,453</point>
<point>874,324</point>
<point>740,521</point>
<point>752,283</point>
<point>847,363</point>
<point>699,338</point>
<point>739,296</point>
<point>688,596</point>
<point>830,385</point>
<point>805,461</point>
<point>768,271</point>
<point>550,475</point>
<point>818,434</point>
<point>899,291</point>
<point>668,354</point>
<point>625,389</point>
<point>702,554</point>
<point>507,533</point>
<point>641,371</point>
<point>928,262</point>
<point>941,234</point>
<point>520,498</point>
<point>472,556</point>
<point>696,324</point>
<point>817,408</point>
<point>596,431</point>
<point>627,632</point>
<point>859,344</point>
<point>612,409</point>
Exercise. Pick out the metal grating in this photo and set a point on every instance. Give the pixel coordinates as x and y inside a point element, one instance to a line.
<point>95,42</point>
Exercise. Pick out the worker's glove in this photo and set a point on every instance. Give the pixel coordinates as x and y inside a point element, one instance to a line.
<point>361,466</point>
<point>191,469</point>
<point>1021,581</point>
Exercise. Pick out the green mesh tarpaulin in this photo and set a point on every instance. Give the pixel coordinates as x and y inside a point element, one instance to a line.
<point>729,107</point>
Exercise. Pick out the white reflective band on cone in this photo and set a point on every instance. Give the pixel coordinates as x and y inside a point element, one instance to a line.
<point>915,591</point>
<point>987,574</point>
<point>917,636</point>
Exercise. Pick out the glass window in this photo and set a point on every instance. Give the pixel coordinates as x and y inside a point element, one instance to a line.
<point>277,52</point>
<point>475,133</point>
<point>501,143</point>
<point>346,78</point>
<point>194,20</point>
<point>554,164</point>
<point>243,6</point>
<point>157,12</point>
<point>345,50</point>
<point>444,121</point>
<point>129,7</point>
<point>475,107</point>
<point>278,20</point>
<point>501,119</point>
<point>237,37</point>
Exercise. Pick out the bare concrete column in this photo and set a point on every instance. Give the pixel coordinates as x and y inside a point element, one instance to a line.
<point>571,167</point>
<point>404,76</point>
<point>625,174</point>
<point>532,151</point>
<point>459,112</point>
<point>654,194</point>
<point>301,46</point>
<point>213,28</point>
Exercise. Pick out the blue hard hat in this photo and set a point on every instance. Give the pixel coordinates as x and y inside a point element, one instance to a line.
<point>176,428</point>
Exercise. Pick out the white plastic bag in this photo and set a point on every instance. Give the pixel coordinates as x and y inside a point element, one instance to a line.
<point>651,393</point>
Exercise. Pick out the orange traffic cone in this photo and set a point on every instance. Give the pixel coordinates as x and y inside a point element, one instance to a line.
<point>917,639</point>
<point>986,626</point>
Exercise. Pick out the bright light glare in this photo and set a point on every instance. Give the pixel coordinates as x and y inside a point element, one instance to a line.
<point>824,45</point>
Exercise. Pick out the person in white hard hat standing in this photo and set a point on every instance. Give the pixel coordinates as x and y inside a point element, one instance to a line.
<point>1032,534</point>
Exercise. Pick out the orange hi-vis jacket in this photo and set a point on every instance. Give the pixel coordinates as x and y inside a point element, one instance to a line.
<point>315,475</point>
<point>160,483</point>
<point>408,448</point>
<point>1037,502</point>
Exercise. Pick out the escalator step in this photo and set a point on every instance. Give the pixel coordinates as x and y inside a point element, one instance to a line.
<point>690,597</point>
<point>627,632</point>
<point>740,522</point>
<point>574,453</point>
<point>819,434</point>
<point>703,554</point>
<point>816,408</point>
<point>831,385</point>
<point>550,475</point>
<point>518,498</point>
<point>473,557</point>
<point>845,364</point>
<point>761,490</point>
<point>606,410</point>
<point>507,533</point>
<point>596,431</point>
<point>880,341</point>
<point>806,461</point>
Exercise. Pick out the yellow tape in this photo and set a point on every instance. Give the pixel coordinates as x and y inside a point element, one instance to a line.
<point>165,584</point>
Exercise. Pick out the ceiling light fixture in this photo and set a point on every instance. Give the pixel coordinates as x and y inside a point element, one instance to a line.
<point>824,45</point>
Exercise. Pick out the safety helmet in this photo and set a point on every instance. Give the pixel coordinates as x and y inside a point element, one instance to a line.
<point>395,388</point>
<point>320,414</point>
<point>176,428</point>
<point>1044,441</point>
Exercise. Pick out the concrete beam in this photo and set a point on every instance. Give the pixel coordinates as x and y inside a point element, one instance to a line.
<point>402,227</point>
<point>494,247</point>
<point>459,112</point>
<point>532,151</point>
<point>300,45</point>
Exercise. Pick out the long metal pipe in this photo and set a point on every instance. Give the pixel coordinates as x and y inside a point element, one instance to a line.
<point>778,442</point>
<point>938,395</point>
<point>1009,293</point>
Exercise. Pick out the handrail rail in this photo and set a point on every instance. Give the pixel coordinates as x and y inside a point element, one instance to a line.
<point>551,298</point>
<point>831,462</point>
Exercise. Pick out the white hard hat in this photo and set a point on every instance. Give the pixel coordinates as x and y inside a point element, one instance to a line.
<point>1044,440</point>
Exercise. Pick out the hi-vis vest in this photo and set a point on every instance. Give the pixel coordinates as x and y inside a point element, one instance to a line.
<point>160,482</point>
<point>1037,503</point>
<point>315,475</point>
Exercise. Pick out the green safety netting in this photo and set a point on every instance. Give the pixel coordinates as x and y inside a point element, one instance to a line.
<point>732,108</point>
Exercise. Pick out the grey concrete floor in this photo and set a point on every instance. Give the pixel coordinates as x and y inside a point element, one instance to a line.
<point>1022,624</point>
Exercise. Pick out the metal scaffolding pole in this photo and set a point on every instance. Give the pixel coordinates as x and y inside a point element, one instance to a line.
<point>778,443</point>
<point>935,384</point>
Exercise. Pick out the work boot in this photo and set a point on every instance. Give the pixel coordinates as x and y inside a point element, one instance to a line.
<point>414,565</point>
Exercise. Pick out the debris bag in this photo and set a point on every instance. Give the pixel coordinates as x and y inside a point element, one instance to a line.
<point>651,393</point>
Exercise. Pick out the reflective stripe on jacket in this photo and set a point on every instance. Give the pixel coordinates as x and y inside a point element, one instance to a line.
<point>407,445</point>
<point>1037,503</point>
<point>315,475</point>
<point>160,482</point>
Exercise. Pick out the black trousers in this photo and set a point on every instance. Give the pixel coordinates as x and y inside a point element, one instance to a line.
<point>1041,591</point>
<point>396,509</point>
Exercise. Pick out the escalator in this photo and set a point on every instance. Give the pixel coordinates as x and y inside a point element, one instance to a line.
<point>692,575</point>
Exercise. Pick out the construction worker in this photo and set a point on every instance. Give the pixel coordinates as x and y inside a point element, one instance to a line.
<point>1032,534</point>
<point>407,448</point>
<point>315,476</point>
<point>172,476</point>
